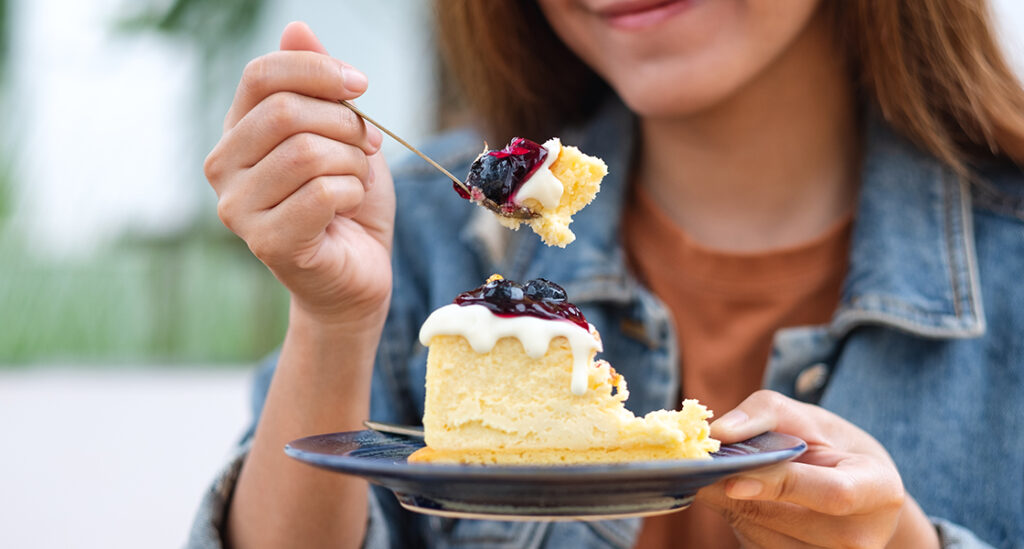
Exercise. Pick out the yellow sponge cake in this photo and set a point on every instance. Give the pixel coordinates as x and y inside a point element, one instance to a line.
<point>511,379</point>
<point>540,185</point>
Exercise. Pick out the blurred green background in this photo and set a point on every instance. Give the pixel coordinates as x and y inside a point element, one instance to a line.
<point>183,296</point>
<point>155,278</point>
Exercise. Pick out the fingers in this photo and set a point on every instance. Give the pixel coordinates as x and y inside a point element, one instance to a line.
<point>302,72</point>
<point>755,536</point>
<point>298,36</point>
<point>857,484</point>
<point>770,411</point>
<point>843,491</point>
<point>297,160</point>
<point>758,520</point>
<point>284,114</point>
<point>298,223</point>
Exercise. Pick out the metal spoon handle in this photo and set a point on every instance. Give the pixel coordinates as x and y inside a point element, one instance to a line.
<point>429,160</point>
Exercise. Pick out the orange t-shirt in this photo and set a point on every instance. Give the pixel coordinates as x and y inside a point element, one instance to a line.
<point>726,307</point>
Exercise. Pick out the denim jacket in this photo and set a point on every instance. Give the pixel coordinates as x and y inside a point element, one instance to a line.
<point>925,351</point>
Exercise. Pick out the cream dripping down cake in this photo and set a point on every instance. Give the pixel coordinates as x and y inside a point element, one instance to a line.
<point>540,185</point>
<point>511,379</point>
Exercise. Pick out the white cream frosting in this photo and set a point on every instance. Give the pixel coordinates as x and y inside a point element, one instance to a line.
<point>482,329</point>
<point>542,185</point>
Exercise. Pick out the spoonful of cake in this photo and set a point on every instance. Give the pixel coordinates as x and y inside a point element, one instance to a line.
<point>525,182</point>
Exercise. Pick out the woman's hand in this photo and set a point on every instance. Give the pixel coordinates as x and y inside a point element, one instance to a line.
<point>299,178</point>
<point>844,491</point>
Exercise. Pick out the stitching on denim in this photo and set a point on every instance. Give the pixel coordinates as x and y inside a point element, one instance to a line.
<point>974,297</point>
<point>950,235</point>
<point>847,318</point>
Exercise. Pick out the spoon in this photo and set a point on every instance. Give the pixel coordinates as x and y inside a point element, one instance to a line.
<point>394,429</point>
<point>518,213</point>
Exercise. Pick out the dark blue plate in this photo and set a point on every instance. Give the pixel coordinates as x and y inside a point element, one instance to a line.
<point>569,492</point>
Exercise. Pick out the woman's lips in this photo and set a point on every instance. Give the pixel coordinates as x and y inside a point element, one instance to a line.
<point>639,14</point>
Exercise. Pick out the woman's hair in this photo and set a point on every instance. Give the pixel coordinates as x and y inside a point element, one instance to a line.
<point>932,67</point>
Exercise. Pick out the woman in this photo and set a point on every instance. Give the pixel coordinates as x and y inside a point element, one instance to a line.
<point>814,197</point>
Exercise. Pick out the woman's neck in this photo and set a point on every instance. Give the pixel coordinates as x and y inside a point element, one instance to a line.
<point>774,165</point>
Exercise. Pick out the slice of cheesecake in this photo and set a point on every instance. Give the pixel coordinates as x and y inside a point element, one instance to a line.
<point>539,185</point>
<point>511,379</point>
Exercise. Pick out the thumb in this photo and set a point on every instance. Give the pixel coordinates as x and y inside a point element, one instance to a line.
<point>770,411</point>
<point>298,36</point>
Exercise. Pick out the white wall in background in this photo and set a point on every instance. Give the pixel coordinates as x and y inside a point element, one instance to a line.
<point>100,121</point>
<point>105,129</point>
<point>1009,16</point>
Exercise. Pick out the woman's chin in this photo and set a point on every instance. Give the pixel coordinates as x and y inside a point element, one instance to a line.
<point>674,100</point>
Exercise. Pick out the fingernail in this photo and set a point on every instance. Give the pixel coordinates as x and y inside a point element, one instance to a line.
<point>371,177</point>
<point>732,420</point>
<point>744,488</point>
<point>354,80</point>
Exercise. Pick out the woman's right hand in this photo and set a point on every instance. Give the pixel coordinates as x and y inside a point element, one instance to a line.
<point>299,177</point>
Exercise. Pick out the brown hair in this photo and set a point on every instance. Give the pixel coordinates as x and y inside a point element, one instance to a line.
<point>933,68</point>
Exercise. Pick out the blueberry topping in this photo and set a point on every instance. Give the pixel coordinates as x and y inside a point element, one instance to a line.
<point>539,297</point>
<point>499,174</point>
<point>542,289</point>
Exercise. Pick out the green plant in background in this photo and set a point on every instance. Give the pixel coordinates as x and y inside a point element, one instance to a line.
<point>6,183</point>
<point>210,25</point>
<point>197,295</point>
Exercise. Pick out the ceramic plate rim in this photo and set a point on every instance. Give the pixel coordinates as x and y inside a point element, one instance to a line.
<point>531,473</point>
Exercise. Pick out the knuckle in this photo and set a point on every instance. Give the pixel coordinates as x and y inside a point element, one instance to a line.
<point>226,211</point>
<point>265,248</point>
<point>784,488</point>
<point>898,496</point>
<point>302,150</point>
<point>351,196</point>
<point>284,109</point>
<point>894,497</point>
<point>254,76</point>
<point>841,498</point>
<point>213,166</point>
<point>320,191</point>
<point>770,399</point>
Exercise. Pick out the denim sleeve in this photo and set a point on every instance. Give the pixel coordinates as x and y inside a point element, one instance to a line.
<point>208,526</point>
<point>953,536</point>
<point>388,524</point>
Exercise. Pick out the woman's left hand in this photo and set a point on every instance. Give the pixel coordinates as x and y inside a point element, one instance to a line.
<point>844,491</point>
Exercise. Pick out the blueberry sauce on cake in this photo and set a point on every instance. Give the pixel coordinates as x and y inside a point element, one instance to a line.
<point>540,185</point>
<point>498,174</point>
<point>539,297</point>
<point>535,313</point>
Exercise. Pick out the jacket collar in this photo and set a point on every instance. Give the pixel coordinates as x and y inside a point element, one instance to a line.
<point>912,265</point>
<point>912,259</point>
